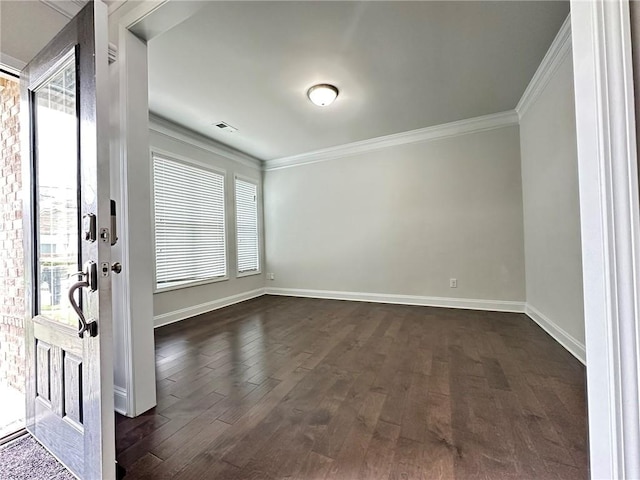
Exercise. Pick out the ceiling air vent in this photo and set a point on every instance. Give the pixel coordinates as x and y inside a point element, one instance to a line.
<point>225,127</point>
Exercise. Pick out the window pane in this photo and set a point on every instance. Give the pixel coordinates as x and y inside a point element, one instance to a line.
<point>247,226</point>
<point>57,192</point>
<point>189,223</point>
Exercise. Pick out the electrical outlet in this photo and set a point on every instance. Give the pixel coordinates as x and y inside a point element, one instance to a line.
<point>453,283</point>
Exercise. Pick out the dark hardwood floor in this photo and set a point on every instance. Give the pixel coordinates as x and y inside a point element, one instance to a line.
<point>284,388</point>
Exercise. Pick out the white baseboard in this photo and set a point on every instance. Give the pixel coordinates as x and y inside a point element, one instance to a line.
<point>177,315</point>
<point>120,400</point>
<point>575,347</point>
<point>446,302</point>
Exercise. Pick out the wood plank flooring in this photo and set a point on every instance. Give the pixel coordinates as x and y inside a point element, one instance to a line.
<point>292,388</point>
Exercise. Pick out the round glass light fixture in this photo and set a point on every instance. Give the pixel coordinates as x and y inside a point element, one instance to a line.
<point>322,94</point>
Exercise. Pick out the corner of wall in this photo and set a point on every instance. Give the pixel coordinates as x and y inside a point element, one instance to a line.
<point>570,343</point>
<point>192,311</point>
<point>559,48</point>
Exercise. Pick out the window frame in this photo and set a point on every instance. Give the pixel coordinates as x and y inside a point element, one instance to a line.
<point>192,163</point>
<point>257,183</point>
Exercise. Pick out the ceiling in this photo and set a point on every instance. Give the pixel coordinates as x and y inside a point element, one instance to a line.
<point>27,26</point>
<point>399,66</point>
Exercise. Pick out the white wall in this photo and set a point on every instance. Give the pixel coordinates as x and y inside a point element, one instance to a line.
<point>182,303</point>
<point>551,207</point>
<point>403,221</point>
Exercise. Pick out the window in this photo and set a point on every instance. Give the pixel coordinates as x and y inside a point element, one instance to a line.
<point>189,223</point>
<point>247,227</point>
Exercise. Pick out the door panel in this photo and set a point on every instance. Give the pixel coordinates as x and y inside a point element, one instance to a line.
<point>69,368</point>
<point>57,388</point>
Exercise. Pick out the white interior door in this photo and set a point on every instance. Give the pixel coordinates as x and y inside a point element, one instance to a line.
<point>67,239</point>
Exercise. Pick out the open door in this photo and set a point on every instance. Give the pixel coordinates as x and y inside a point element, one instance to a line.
<point>67,239</point>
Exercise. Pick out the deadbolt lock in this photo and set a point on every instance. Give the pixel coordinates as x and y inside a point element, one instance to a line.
<point>89,227</point>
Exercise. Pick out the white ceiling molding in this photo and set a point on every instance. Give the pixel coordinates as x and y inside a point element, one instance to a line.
<point>461,127</point>
<point>114,5</point>
<point>184,135</point>
<point>560,47</point>
<point>68,8</point>
<point>10,64</point>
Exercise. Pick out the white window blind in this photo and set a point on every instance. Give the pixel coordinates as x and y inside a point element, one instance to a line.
<point>247,226</point>
<point>189,223</point>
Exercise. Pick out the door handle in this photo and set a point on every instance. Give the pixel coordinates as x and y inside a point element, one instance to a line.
<point>90,275</point>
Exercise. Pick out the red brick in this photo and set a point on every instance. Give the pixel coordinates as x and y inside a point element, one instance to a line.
<point>11,259</point>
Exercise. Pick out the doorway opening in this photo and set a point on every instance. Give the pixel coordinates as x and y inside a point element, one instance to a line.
<point>12,344</point>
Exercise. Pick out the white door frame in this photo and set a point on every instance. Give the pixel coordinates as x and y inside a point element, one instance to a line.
<point>135,385</point>
<point>608,180</point>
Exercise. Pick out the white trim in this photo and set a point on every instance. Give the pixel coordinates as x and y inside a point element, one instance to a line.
<point>67,9</point>
<point>7,76</point>
<point>249,273</point>
<point>446,130</point>
<point>445,302</point>
<point>188,283</point>
<point>610,231</point>
<point>132,133</point>
<point>11,64</point>
<point>568,341</point>
<point>183,313</point>
<point>169,155</point>
<point>124,293</point>
<point>114,5</point>
<point>120,400</point>
<point>193,139</point>
<point>559,49</point>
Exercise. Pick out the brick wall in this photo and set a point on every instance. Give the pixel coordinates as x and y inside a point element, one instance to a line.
<point>11,252</point>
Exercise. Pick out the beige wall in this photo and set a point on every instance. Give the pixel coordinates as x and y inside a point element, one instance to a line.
<point>551,205</point>
<point>403,220</point>
<point>188,301</point>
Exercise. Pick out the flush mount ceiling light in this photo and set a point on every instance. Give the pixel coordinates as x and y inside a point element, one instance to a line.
<point>322,94</point>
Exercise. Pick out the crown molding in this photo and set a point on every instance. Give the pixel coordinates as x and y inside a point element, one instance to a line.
<point>461,127</point>
<point>11,64</point>
<point>113,5</point>
<point>67,8</point>
<point>177,132</point>
<point>559,49</point>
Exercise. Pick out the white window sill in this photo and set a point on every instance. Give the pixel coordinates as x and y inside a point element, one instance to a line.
<point>190,284</point>
<point>249,274</point>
